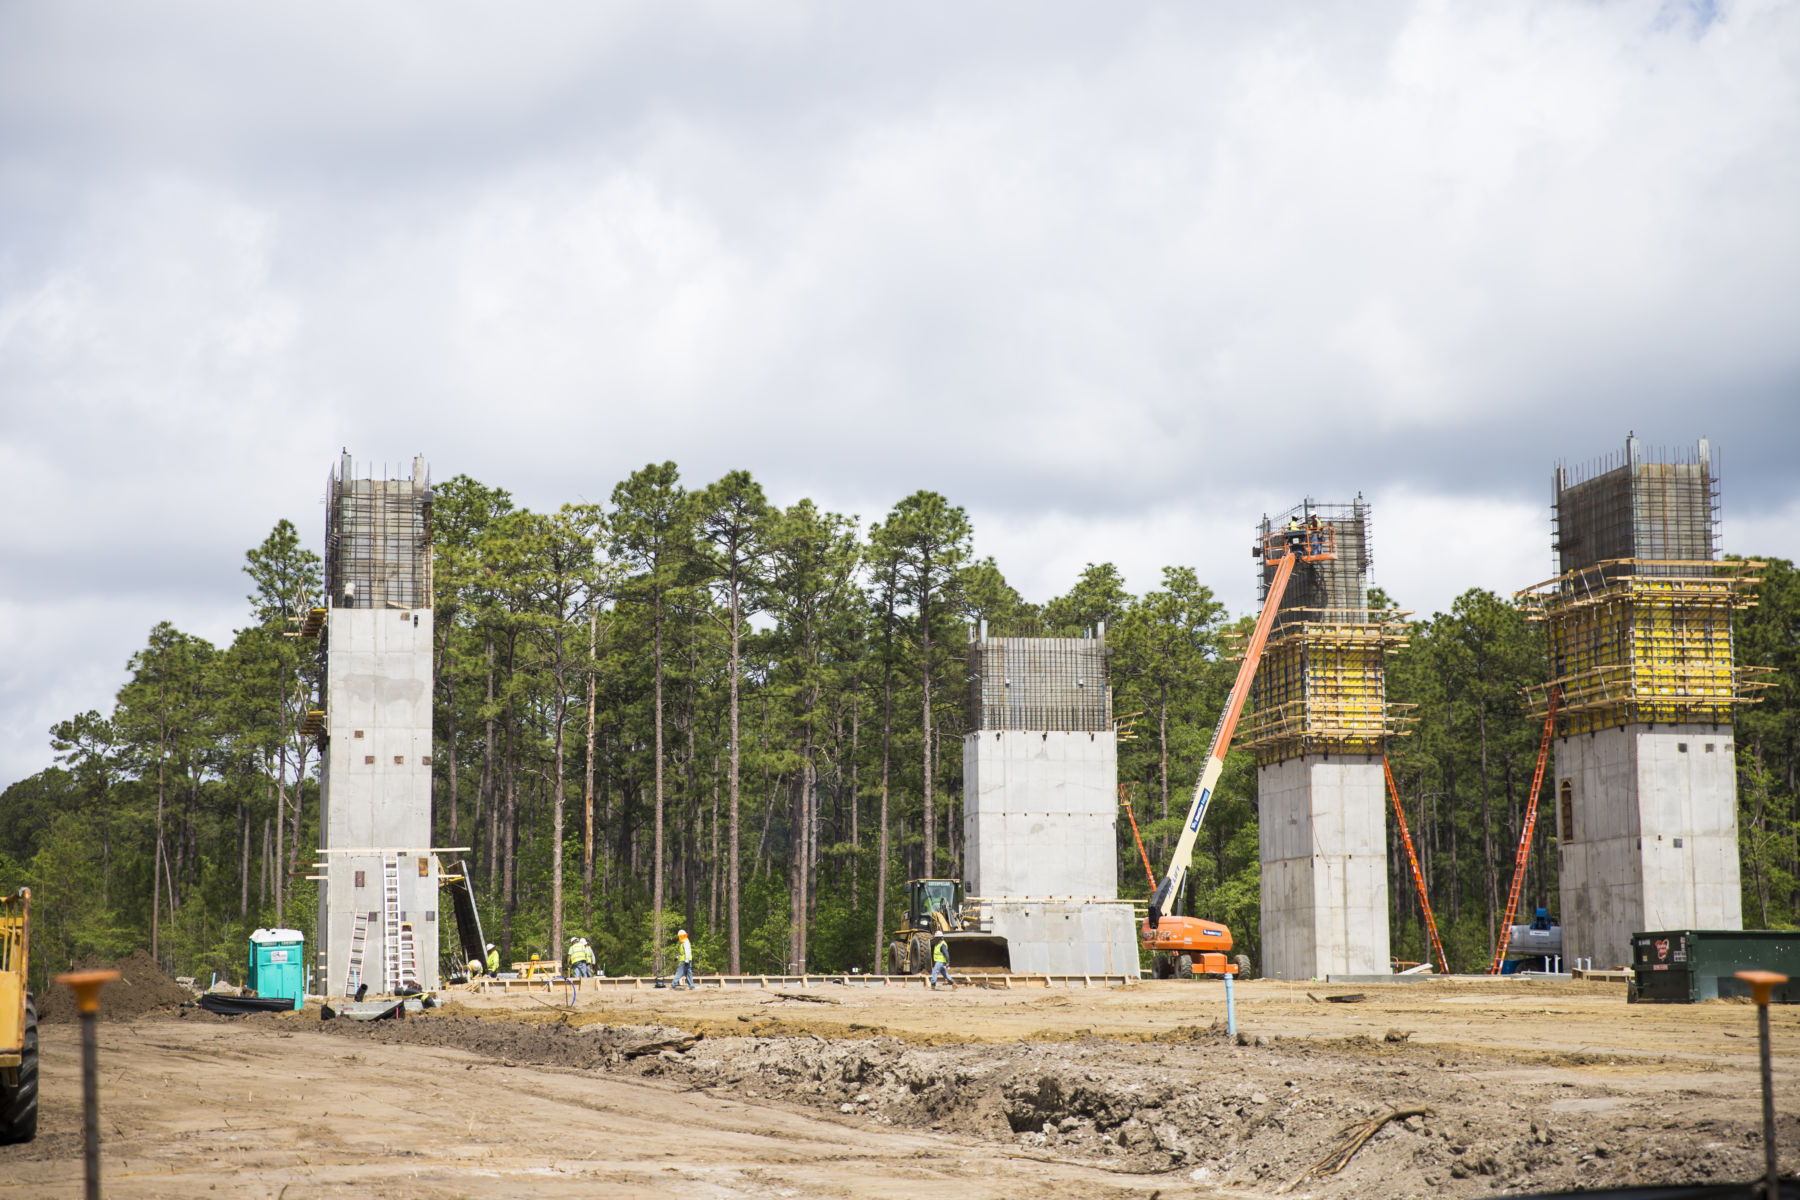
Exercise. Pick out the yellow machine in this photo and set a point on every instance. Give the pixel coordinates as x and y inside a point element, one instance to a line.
<point>18,1024</point>
<point>934,909</point>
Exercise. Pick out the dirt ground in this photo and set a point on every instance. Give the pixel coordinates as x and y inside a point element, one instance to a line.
<point>836,1091</point>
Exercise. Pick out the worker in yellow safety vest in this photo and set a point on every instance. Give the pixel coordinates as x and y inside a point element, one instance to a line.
<point>1296,534</point>
<point>940,963</point>
<point>581,958</point>
<point>493,960</point>
<point>685,968</point>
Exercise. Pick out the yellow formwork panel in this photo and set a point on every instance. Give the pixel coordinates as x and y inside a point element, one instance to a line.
<point>1636,643</point>
<point>1321,689</point>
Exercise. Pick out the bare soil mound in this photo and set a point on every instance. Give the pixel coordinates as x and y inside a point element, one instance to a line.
<point>142,987</point>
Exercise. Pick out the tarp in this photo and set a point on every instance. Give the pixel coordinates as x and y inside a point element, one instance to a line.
<point>238,1006</point>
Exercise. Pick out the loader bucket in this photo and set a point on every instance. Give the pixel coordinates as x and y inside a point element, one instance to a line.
<point>978,952</point>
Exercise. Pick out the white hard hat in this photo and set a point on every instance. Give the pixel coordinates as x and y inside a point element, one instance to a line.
<point>490,945</point>
<point>681,933</point>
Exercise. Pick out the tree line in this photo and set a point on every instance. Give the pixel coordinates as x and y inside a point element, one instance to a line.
<point>694,708</point>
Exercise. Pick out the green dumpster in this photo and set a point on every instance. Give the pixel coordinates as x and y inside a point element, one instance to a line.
<point>1685,965</point>
<point>277,964</point>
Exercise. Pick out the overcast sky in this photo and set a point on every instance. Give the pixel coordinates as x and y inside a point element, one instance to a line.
<point>1117,278</point>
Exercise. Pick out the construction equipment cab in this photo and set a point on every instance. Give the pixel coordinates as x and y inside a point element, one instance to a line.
<point>934,909</point>
<point>18,1023</point>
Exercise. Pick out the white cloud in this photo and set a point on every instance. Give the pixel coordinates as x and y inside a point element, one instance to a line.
<point>1116,281</point>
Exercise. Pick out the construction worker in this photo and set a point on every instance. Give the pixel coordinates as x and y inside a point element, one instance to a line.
<point>580,959</point>
<point>685,968</point>
<point>1315,535</point>
<point>493,960</point>
<point>1296,534</point>
<point>940,963</point>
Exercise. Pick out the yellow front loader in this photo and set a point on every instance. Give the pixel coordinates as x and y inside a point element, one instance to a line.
<point>18,1024</point>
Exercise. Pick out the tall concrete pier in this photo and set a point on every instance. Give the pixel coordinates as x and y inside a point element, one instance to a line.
<point>1644,803</point>
<point>378,898</point>
<point>1317,720</point>
<point>1040,804</point>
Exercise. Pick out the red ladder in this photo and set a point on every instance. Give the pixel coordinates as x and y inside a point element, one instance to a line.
<point>1413,859</point>
<point>1531,811</point>
<point>1126,801</point>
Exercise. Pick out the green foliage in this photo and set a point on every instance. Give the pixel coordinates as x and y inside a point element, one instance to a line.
<point>183,817</point>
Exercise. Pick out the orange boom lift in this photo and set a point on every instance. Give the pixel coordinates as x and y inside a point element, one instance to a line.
<point>1187,946</point>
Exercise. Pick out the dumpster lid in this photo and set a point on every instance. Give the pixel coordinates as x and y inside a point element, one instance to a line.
<point>278,935</point>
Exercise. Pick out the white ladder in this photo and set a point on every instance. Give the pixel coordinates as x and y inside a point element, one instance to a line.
<point>390,925</point>
<point>409,959</point>
<point>359,937</point>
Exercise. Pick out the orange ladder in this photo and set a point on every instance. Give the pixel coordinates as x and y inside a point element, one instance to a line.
<point>1531,811</point>
<point>1413,860</point>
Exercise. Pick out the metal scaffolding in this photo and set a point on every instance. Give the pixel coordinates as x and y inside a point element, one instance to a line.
<point>1639,620</point>
<point>378,539</point>
<point>1040,684</point>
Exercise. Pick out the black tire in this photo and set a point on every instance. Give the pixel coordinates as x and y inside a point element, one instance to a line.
<point>1160,968</point>
<point>19,1102</point>
<point>1244,969</point>
<point>918,953</point>
<point>896,959</point>
<point>1184,966</point>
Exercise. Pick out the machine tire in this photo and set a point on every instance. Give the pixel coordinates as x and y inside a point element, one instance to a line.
<point>1160,968</point>
<point>19,1102</point>
<point>896,959</point>
<point>1184,966</point>
<point>918,953</point>
<point>1245,971</point>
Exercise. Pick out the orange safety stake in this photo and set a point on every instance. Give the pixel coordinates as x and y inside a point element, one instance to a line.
<point>86,985</point>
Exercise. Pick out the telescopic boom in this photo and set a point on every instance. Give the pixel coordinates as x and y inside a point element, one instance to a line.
<point>1170,887</point>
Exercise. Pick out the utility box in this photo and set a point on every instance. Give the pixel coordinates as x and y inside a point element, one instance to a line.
<point>277,965</point>
<point>1684,965</point>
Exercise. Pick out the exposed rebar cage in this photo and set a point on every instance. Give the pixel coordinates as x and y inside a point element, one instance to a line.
<point>1639,620</point>
<point>1039,684</point>
<point>1634,507</point>
<point>378,539</point>
<point>1336,590</point>
<point>1321,687</point>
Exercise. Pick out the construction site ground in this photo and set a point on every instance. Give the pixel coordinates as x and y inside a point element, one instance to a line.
<point>835,1091</point>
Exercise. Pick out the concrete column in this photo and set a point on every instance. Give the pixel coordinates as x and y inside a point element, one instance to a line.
<point>1323,844</point>
<point>1646,821</point>
<point>376,790</point>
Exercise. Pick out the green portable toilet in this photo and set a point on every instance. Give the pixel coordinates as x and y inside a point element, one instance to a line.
<point>277,964</point>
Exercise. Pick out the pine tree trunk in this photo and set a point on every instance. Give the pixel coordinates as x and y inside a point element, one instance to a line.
<point>732,879</point>
<point>587,843</point>
<point>557,801</point>
<point>656,920</point>
<point>925,722</point>
<point>881,860</point>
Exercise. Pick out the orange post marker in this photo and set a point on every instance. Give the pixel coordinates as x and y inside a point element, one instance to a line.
<point>86,985</point>
<point>1761,984</point>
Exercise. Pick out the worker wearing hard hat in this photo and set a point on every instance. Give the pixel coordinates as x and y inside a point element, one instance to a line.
<point>493,960</point>
<point>1296,534</point>
<point>580,958</point>
<point>685,968</point>
<point>940,963</point>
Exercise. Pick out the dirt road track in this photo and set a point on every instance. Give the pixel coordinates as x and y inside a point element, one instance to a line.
<point>1113,1093</point>
<point>193,1110</point>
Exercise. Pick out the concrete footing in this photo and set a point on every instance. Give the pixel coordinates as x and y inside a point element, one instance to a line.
<point>1066,938</point>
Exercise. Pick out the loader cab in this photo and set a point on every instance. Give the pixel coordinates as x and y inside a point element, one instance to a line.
<point>930,896</point>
